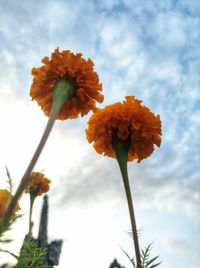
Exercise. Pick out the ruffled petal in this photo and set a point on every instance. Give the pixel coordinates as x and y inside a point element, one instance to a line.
<point>74,67</point>
<point>130,119</point>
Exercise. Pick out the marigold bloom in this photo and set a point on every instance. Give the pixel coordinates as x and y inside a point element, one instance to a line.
<point>38,184</point>
<point>130,120</point>
<point>5,197</point>
<point>74,68</point>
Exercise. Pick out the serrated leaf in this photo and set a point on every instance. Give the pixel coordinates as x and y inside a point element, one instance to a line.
<point>10,253</point>
<point>130,259</point>
<point>31,256</point>
<point>152,260</point>
<point>155,265</point>
<point>9,181</point>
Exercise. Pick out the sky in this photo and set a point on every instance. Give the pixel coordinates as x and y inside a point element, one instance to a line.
<point>149,49</point>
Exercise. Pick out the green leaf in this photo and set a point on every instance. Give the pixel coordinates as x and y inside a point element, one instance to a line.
<point>145,258</point>
<point>152,260</point>
<point>6,226</point>
<point>146,261</point>
<point>130,259</point>
<point>12,254</point>
<point>31,256</point>
<point>155,265</point>
<point>9,181</point>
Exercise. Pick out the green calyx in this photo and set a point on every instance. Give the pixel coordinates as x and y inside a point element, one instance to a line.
<point>63,91</point>
<point>34,192</point>
<point>121,147</point>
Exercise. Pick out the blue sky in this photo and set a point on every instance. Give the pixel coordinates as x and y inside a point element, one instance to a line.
<point>149,49</point>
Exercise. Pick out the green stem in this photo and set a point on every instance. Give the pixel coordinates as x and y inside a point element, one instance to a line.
<point>121,149</point>
<point>32,199</point>
<point>63,90</point>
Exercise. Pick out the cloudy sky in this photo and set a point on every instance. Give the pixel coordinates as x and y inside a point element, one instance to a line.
<point>149,49</point>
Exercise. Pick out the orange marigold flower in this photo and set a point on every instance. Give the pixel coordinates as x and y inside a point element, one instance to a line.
<point>74,68</point>
<point>130,120</point>
<point>38,184</point>
<point>5,197</point>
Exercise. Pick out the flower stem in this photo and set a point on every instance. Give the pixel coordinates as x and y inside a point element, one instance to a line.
<point>32,199</point>
<point>121,150</point>
<point>62,91</point>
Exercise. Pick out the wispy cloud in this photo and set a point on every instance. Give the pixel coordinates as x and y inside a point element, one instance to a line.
<point>148,49</point>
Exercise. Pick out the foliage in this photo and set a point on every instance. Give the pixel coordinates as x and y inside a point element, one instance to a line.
<point>9,181</point>
<point>31,256</point>
<point>6,226</point>
<point>130,259</point>
<point>146,260</point>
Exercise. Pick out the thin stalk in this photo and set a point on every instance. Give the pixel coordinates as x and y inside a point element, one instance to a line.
<point>32,199</point>
<point>62,91</point>
<point>31,165</point>
<point>122,159</point>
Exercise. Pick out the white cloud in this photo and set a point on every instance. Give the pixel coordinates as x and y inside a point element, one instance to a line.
<point>148,49</point>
